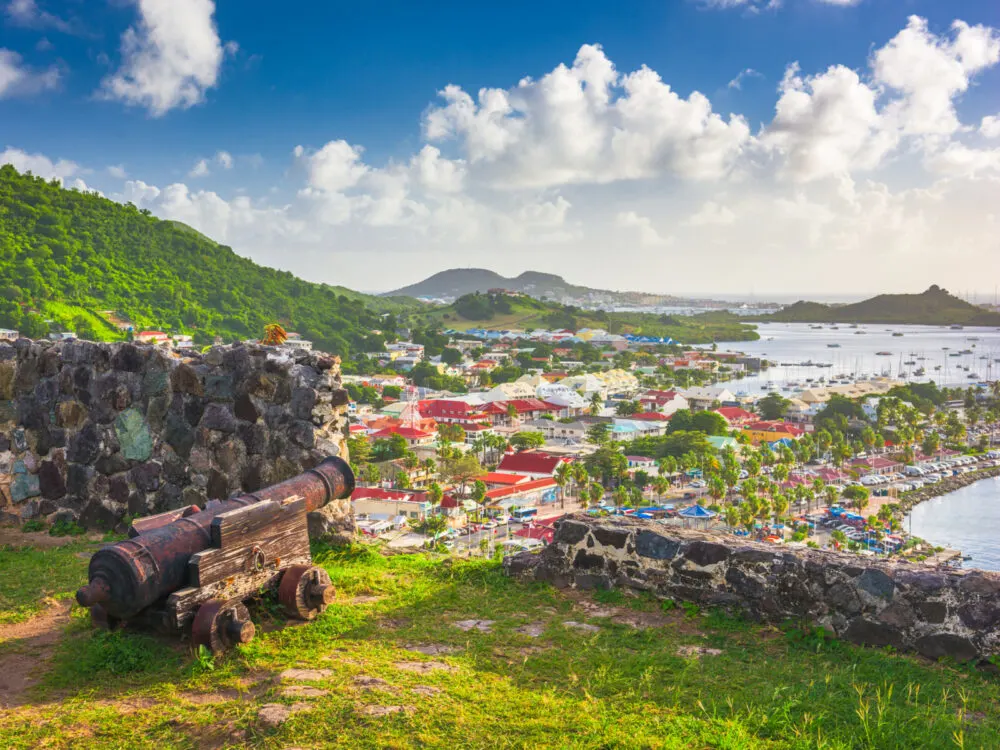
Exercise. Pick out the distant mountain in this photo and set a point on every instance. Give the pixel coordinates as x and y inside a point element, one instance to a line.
<point>932,307</point>
<point>457,282</point>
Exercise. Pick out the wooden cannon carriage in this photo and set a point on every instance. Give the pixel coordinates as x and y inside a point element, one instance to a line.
<point>190,570</point>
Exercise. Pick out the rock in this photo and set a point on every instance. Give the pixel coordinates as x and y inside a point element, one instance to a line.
<point>102,513</point>
<point>51,484</point>
<point>433,649</point>
<point>481,625</point>
<point>845,598</point>
<point>146,477</point>
<point>133,435</point>
<point>425,690</point>
<point>873,581</point>
<point>306,675</point>
<point>333,523</point>
<point>898,614</point>
<point>588,561</point>
<point>31,509</point>
<point>155,383</point>
<point>85,446</point>
<point>219,387</point>
<point>947,645</point>
<point>370,683</point>
<point>24,486</point>
<point>570,532</point>
<point>704,554</point>
<point>610,537</point>
<point>870,633</point>
<point>184,379</point>
<point>273,715</point>
<point>532,630</point>
<point>218,417</point>
<point>245,409</point>
<point>697,651</point>
<point>652,545</point>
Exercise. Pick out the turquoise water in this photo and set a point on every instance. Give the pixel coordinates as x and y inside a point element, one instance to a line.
<point>967,519</point>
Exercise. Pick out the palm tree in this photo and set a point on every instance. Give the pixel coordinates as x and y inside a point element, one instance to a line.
<point>580,477</point>
<point>831,495</point>
<point>660,486</point>
<point>563,473</point>
<point>596,404</point>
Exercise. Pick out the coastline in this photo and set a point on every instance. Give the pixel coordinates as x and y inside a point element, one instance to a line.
<point>913,498</point>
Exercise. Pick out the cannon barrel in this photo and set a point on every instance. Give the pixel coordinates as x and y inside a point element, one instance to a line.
<point>127,577</point>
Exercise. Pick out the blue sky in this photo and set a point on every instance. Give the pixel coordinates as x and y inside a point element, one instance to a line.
<point>242,84</point>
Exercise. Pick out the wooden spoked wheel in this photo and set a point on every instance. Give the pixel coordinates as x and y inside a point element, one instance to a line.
<point>218,625</point>
<point>305,591</point>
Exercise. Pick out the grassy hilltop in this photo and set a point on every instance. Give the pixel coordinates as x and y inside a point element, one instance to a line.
<point>540,668</point>
<point>68,256</point>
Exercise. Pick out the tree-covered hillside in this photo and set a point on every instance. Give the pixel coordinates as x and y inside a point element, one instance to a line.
<point>70,257</point>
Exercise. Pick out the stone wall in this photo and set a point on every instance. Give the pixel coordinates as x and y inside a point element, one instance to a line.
<point>94,432</point>
<point>910,607</point>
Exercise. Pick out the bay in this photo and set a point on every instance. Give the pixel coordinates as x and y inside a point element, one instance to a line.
<point>967,519</point>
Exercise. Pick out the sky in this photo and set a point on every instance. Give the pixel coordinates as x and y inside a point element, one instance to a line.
<point>790,148</point>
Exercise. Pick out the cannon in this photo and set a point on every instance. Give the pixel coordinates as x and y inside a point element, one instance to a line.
<point>190,570</point>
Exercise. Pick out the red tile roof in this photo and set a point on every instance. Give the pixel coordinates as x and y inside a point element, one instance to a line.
<point>377,493</point>
<point>652,416</point>
<point>409,433</point>
<point>450,409</point>
<point>530,462</point>
<point>522,405</point>
<point>496,477</point>
<point>535,484</point>
<point>449,501</point>
<point>735,414</point>
<point>544,533</point>
<point>775,427</point>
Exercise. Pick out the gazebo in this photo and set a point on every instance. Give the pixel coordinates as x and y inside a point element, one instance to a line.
<point>696,513</point>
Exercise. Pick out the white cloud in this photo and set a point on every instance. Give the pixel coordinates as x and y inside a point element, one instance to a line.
<point>587,124</point>
<point>826,125</point>
<point>39,164</point>
<point>648,236</point>
<point>200,169</point>
<point>17,79</point>
<point>737,82</point>
<point>335,167</point>
<point>117,171</point>
<point>170,58</point>
<point>711,213</point>
<point>930,71</point>
<point>27,13</point>
<point>957,159</point>
<point>990,126</point>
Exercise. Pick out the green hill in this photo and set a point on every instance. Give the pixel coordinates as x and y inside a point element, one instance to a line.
<point>72,257</point>
<point>932,307</point>
<point>502,311</point>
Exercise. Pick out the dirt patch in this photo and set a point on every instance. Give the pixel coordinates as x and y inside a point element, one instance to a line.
<point>273,715</point>
<point>14,537</point>
<point>371,683</point>
<point>36,640</point>
<point>305,675</point>
<point>424,667</point>
<point>395,623</point>
<point>127,706</point>
<point>212,699</point>
<point>433,649</point>
<point>210,736</point>
<point>641,620</point>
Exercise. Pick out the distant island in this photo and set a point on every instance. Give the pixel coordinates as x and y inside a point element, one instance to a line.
<point>933,307</point>
<point>454,283</point>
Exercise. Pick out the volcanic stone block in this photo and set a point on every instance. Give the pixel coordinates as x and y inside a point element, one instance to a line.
<point>133,435</point>
<point>876,583</point>
<point>51,484</point>
<point>218,417</point>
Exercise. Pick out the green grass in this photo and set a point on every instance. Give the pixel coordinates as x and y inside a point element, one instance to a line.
<point>66,315</point>
<point>618,688</point>
<point>29,576</point>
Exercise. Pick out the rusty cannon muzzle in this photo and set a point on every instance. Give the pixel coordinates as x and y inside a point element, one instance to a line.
<point>127,577</point>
